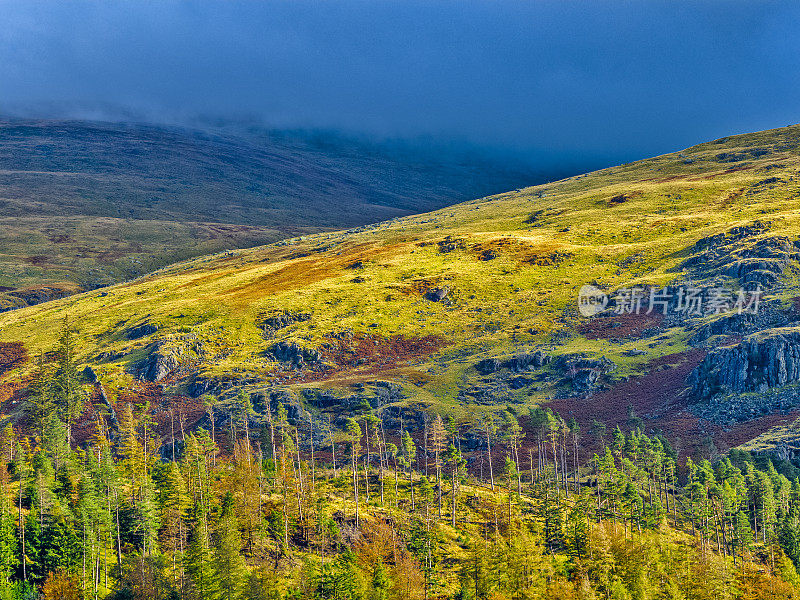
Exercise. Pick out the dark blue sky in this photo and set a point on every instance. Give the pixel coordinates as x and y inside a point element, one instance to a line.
<point>587,80</point>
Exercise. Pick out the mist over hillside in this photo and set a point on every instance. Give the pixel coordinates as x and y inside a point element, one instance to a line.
<point>85,204</point>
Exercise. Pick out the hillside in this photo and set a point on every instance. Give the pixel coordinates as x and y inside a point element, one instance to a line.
<point>473,307</point>
<point>86,204</point>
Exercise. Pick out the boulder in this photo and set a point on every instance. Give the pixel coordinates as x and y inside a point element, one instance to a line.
<point>437,294</point>
<point>488,366</point>
<point>141,331</point>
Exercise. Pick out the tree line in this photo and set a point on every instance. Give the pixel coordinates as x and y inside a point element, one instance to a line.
<point>474,509</point>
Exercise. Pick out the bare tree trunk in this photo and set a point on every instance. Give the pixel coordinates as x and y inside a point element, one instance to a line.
<point>382,456</point>
<point>333,445</point>
<point>355,481</point>
<point>489,454</point>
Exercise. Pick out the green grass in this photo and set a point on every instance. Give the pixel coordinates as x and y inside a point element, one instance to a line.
<point>524,298</point>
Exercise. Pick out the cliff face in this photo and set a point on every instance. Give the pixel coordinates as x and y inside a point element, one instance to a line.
<point>764,360</point>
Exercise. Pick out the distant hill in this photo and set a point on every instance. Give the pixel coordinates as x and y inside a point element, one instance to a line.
<point>86,204</point>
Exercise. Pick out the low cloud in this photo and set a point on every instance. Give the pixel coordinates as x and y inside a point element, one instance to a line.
<point>558,81</point>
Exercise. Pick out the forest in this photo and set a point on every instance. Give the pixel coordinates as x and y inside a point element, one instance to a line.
<point>362,512</point>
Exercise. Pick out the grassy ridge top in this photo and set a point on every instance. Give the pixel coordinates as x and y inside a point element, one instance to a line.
<point>435,293</point>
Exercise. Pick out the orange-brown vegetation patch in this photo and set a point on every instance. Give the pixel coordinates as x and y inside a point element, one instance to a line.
<point>622,326</point>
<point>423,285</point>
<point>719,173</point>
<point>366,354</point>
<point>546,254</point>
<point>657,398</point>
<point>166,410</point>
<point>312,269</point>
<point>12,355</point>
<point>731,198</point>
<point>12,400</point>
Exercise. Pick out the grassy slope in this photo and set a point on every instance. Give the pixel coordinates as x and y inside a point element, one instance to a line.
<point>87,204</point>
<point>524,298</point>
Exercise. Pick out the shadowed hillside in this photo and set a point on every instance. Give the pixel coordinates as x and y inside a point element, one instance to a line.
<point>84,205</point>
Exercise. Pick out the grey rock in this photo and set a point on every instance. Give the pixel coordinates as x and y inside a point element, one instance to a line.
<point>159,364</point>
<point>522,362</point>
<point>763,360</point>
<point>634,352</point>
<point>272,323</point>
<point>290,352</point>
<point>89,374</point>
<point>583,372</point>
<point>488,366</point>
<point>141,331</point>
<point>437,294</point>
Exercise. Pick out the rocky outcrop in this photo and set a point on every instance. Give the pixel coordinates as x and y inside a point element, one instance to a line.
<point>729,409</point>
<point>761,361</point>
<point>134,333</point>
<point>487,366</point>
<point>107,407</point>
<point>584,373</point>
<point>294,354</point>
<point>740,324</point>
<point>525,361</point>
<point>89,374</point>
<point>39,294</point>
<point>739,253</point>
<point>270,323</point>
<point>517,363</point>
<point>200,387</point>
<point>373,394</point>
<point>437,294</point>
<point>158,365</point>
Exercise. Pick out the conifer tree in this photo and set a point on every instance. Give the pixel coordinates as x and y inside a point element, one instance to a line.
<point>229,566</point>
<point>202,581</point>
<point>67,393</point>
<point>409,454</point>
<point>353,430</point>
<point>438,445</point>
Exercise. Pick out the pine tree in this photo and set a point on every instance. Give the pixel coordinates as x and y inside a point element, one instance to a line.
<point>409,455</point>
<point>174,502</point>
<point>438,445</point>
<point>353,430</point>
<point>67,393</point>
<point>229,566</point>
<point>199,562</point>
